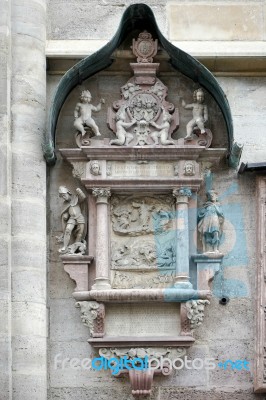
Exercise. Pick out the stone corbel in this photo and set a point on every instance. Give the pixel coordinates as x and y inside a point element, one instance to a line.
<point>141,380</point>
<point>207,267</point>
<point>92,316</point>
<point>78,269</point>
<point>195,312</point>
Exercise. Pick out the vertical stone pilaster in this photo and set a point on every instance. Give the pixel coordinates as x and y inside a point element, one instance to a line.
<point>5,203</point>
<point>28,245</point>
<point>102,280</point>
<point>182,196</point>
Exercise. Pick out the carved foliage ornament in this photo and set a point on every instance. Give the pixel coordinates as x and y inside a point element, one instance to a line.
<point>195,312</point>
<point>101,192</point>
<point>152,352</point>
<point>182,192</point>
<point>92,316</point>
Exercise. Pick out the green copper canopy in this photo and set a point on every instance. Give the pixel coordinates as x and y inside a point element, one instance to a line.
<point>136,17</point>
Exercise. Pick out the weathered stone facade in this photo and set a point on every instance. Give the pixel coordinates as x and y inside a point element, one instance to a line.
<point>38,321</point>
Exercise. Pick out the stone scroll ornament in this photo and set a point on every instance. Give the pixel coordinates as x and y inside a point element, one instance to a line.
<point>84,123</point>
<point>73,222</point>
<point>143,116</point>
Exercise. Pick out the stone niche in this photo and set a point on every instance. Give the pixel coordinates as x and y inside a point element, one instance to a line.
<point>143,137</point>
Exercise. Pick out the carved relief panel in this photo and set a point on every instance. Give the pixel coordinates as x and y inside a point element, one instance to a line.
<point>143,248</point>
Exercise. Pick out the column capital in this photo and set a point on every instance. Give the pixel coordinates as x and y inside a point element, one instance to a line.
<point>102,194</point>
<point>182,195</point>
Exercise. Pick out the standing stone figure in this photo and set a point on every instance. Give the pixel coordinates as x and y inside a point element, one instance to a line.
<point>83,112</point>
<point>199,113</point>
<point>210,223</point>
<point>73,221</point>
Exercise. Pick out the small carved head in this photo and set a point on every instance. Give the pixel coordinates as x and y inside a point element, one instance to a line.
<point>167,116</point>
<point>85,96</point>
<point>212,196</point>
<point>189,168</point>
<point>95,167</point>
<point>64,192</point>
<point>120,116</point>
<point>198,96</point>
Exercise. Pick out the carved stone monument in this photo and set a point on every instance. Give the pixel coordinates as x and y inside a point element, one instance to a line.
<point>142,185</point>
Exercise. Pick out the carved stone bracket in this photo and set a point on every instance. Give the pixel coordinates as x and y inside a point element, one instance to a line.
<point>207,266</point>
<point>155,361</point>
<point>141,382</point>
<point>92,316</point>
<point>78,269</point>
<point>195,312</point>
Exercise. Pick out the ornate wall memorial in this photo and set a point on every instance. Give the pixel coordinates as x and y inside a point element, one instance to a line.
<point>130,230</point>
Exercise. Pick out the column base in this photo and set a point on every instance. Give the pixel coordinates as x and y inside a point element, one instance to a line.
<point>101,284</point>
<point>182,282</point>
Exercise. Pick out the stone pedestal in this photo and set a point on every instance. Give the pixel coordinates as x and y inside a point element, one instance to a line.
<point>208,264</point>
<point>78,269</point>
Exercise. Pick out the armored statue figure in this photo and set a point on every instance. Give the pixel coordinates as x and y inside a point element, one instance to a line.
<point>199,113</point>
<point>210,223</point>
<point>73,221</point>
<point>83,112</point>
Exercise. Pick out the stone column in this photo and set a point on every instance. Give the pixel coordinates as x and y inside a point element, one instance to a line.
<point>28,180</point>
<point>5,203</point>
<point>102,280</point>
<point>182,196</point>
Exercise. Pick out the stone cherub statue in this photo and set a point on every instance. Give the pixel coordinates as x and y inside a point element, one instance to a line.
<point>83,111</point>
<point>164,129</point>
<point>199,113</point>
<point>123,137</point>
<point>73,222</point>
<point>210,223</point>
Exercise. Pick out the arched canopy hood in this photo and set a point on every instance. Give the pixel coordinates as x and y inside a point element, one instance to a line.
<point>136,17</point>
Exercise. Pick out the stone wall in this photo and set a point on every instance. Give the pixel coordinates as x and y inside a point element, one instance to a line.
<point>228,331</point>
<point>23,329</point>
<point>228,37</point>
